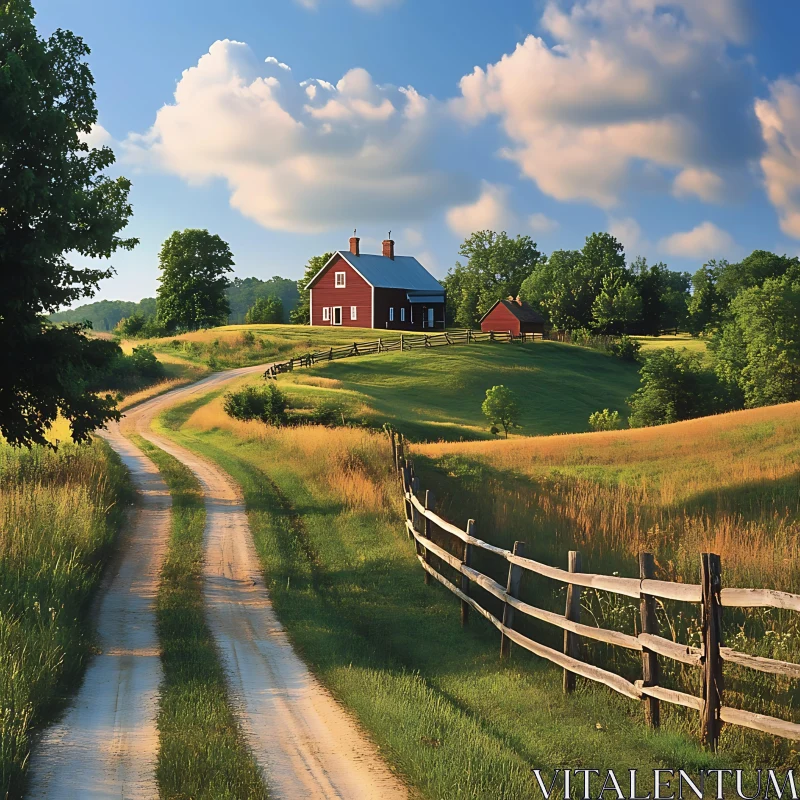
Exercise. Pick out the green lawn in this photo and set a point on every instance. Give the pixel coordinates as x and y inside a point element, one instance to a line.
<point>344,579</point>
<point>437,393</point>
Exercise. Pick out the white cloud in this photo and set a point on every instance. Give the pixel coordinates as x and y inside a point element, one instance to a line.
<point>273,60</point>
<point>631,87</point>
<point>702,183</point>
<point>412,237</point>
<point>704,241</point>
<point>780,125</point>
<point>539,223</point>
<point>296,160</point>
<point>489,212</point>
<point>98,136</point>
<point>628,231</point>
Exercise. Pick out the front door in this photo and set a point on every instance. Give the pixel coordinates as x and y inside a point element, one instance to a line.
<point>337,315</point>
<point>430,317</point>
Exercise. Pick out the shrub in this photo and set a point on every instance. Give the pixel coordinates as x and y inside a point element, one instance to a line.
<point>676,386</point>
<point>328,413</point>
<point>265,403</point>
<point>604,420</point>
<point>625,348</point>
<point>248,338</point>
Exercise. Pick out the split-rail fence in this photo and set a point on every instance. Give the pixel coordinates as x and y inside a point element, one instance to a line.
<point>405,342</point>
<point>422,523</point>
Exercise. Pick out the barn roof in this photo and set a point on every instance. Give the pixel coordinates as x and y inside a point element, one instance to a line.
<point>402,272</point>
<point>523,311</point>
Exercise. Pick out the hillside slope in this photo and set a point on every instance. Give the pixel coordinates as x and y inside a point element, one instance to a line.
<point>437,394</point>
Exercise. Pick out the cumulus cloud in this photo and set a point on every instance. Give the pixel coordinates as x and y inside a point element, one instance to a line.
<point>628,231</point>
<point>630,87</point>
<point>702,183</point>
<point>539,223</point>
<point>300,156</point>
<point>98,136</point>
<point>491,211</point>
<point>704,241</point>
<point>780,125</point>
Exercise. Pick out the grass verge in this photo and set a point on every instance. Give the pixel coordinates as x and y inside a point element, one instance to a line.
<point>445,712</point>
<point>202,751</point>
<point>60,513</point>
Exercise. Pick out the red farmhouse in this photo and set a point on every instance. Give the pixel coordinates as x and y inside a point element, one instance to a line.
<point>513,315</point>
<point>389,292</point>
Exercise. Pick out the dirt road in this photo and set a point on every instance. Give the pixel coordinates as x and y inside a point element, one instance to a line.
<point>105,745</point>
<point>308,747</point>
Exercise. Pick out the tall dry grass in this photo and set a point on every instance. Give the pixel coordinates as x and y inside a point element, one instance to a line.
<point>59,513</point>
<point>349,461</point>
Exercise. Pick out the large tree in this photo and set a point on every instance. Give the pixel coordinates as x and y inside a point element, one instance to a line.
<point>54,201</point>
<point>194,276</point>
<point>302,312</point>
<point>496,265</point>
<point>566,286</point>
<point>757,347</point>
<point>665,296</point>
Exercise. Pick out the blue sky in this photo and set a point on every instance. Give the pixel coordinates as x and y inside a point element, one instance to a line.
<point>675,125</point>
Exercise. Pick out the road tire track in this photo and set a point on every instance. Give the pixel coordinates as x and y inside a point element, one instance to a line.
<point>105,745</point>
<point>307,745</point>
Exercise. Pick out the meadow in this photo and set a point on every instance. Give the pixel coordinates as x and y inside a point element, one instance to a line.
<point>436,394</point>
<point>60,513</point>
<point>325,513</point>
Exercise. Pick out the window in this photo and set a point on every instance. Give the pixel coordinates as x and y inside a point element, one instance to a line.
<point>326,315</point>
<point>391,315</point>
<point>341,280</point>
<point>353,312</point>
<point>402,315</point>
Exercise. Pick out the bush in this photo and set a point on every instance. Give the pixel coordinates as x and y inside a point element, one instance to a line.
<point>604,420</point>
<point>265,403</point>
<point>329,413</point>
<point>625,348</point>
<point>132,372</point>
<point>676,386</point>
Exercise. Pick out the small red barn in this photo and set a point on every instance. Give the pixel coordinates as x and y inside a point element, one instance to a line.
<point>387,292</point>
<point>513,315</point>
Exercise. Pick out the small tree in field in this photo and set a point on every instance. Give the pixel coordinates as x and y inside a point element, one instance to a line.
<point>501,408</point>
<point>265,311</point>
<point>604,420</point>
<point>194,276</point>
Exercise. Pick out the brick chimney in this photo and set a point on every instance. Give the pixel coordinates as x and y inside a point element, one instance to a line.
<point>388,248</point>
<point>354,245</point>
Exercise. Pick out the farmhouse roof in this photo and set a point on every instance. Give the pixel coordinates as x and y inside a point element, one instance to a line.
<point>400,272</point>
<point>523,311</point>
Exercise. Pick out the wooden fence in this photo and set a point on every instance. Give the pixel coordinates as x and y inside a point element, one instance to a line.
<point>405,342</point>
<point>422,522</point>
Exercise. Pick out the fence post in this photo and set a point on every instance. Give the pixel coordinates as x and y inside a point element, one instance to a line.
<point>510,337</point>
<point>402,342</point>
<point>711,618</point>
<point>430,505</point>
<point>650,672</point>
<point>573,613</point>
<point>465,581</point>
<point>380,345</point>
<point>469,336</point>
<point>512,590</point>
<point>491,336</point>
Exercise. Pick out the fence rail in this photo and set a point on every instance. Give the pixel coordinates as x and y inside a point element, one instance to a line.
<point>405,342</point>
<point>422,522</point>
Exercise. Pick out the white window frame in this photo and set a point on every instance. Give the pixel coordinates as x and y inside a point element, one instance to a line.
<point>326,314</point>
<point>402,315</point>
<point>341,280</point>
<point>391,314</point>
<point>335,309</point>
<point>353,313</point>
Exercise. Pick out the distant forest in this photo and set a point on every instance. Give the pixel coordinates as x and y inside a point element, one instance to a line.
<point>242,294</point>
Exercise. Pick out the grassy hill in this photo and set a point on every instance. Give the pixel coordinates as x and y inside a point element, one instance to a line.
<point>437,394</point>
